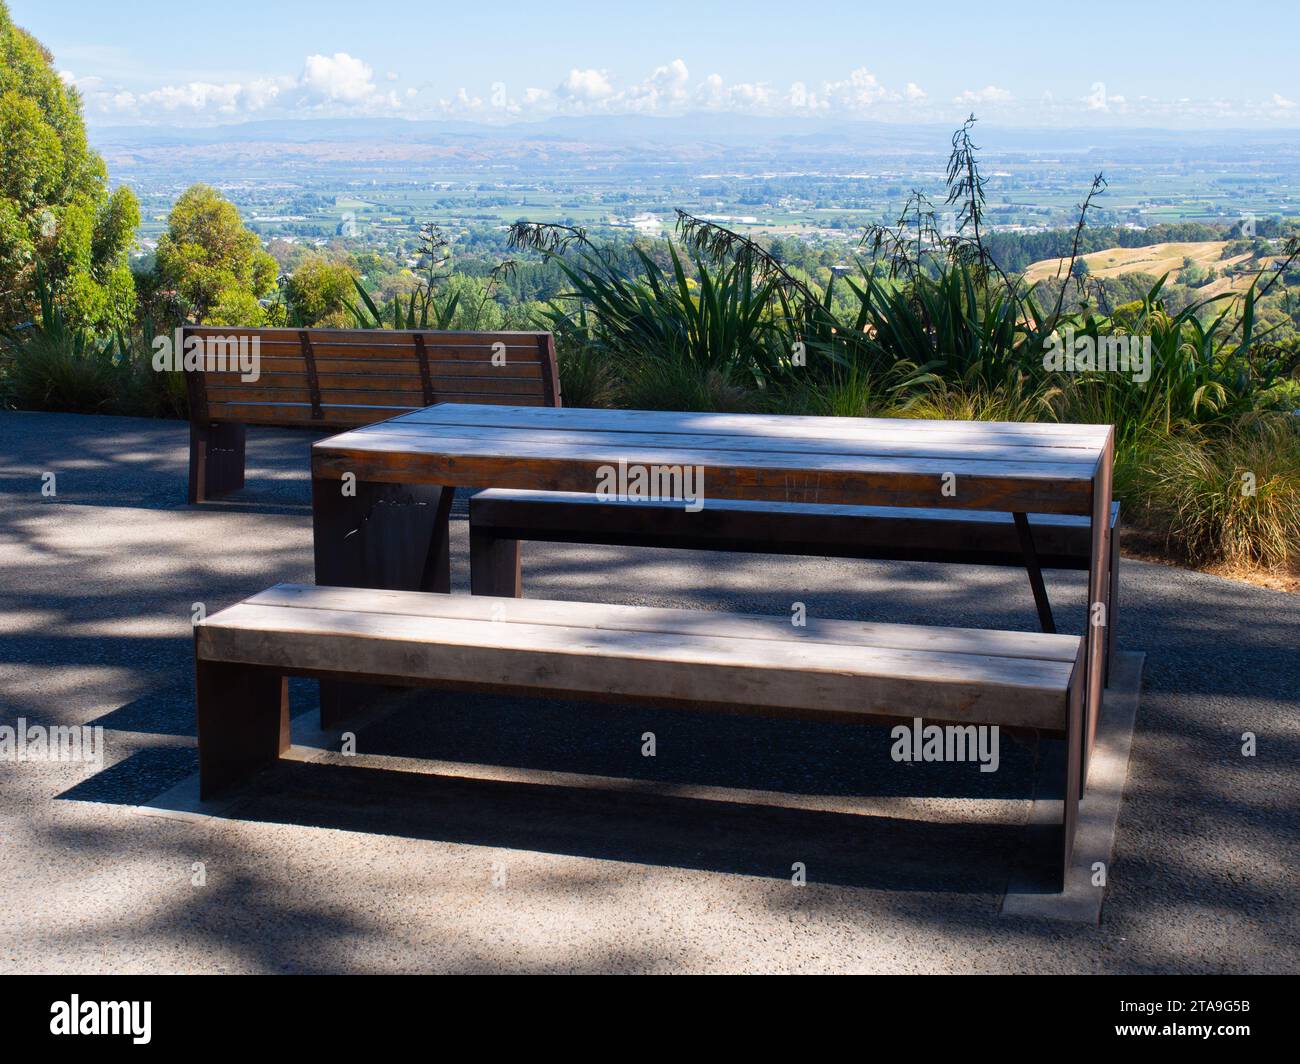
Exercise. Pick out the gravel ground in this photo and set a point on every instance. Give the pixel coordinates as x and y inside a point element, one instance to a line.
<point>403,859</point>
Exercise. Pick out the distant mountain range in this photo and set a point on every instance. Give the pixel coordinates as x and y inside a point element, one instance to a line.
<point>725,129</point>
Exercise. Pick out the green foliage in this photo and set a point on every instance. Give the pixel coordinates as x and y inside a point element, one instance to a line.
<point>700,330</point>
<point>212,263</point>
<point>587,375</point>
<point>1231,496</point>
<point>426,305</point>
<point>55,365</point>
<point>57,218</point>
<point>318,292</point>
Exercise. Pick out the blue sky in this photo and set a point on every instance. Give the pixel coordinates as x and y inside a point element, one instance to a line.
<point>1189,64</point>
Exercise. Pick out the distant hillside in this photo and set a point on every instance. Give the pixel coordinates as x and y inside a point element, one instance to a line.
<point>1157,260</point>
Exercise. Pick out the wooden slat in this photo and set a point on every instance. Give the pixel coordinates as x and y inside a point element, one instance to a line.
<point>349,375</point>
<point>825,678</point>
<point>361,389</point>
<point>510,496</point>
<point>667,621</point>
<point>920,447</point>
<point>294,415</point>
<point>598,449</point>
<point>514,356</point>
<point>1031,487</point>
<point>336,415</point>
<point>373,337</point>
<point>399,395</point>
<point>1028,434</point>
<point>481,348</point>
<point>299,392</point>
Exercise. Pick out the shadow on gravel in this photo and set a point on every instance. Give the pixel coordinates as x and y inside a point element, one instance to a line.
<point>880,852</point>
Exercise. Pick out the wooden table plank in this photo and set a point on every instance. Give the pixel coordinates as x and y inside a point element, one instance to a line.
<point>772,426</point>
<point>920,446</point>
<point>1030,487</point>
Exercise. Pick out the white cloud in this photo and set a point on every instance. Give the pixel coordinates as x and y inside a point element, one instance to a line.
<point>988,94</point>
<point>342,84</point>
<point>338,78</point>
<point>588,86</point>
<point>196,96</point>
<point>338,83</point>
<point>715,95</point>
<point>264,92</point>
<point>664,89</point>
<point>858,92</point>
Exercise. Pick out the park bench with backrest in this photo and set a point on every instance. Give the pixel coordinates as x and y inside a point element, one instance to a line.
<point>342,378</point>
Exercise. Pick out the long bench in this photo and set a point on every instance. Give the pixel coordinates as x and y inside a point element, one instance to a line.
<point>501,519</point>
<point>829,670</point>
<point>343,378</point>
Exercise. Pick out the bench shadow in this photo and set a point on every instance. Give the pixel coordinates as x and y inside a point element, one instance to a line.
<point>695,748</point>
<point>875,852</point>
<point>753,835</point>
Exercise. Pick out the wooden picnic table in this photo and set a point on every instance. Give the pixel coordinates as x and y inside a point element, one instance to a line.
<point>381,494</point>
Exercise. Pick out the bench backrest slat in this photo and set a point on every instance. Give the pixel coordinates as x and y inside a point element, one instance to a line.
<point>347,377</point>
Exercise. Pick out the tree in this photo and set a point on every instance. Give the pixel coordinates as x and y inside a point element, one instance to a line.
<point>319,291</point>
<point>212,261</point>
<point>59,225</point>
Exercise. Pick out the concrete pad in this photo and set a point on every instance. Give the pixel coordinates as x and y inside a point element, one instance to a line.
<point>1094,841</point>
<point>1080,902</point>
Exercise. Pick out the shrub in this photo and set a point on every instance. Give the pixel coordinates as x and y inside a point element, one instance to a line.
<point>60,370</point>
<point>1232,495</point>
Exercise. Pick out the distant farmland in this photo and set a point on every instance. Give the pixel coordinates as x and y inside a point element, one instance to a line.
<point>1157,260</point>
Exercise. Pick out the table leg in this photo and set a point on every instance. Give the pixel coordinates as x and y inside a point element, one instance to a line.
<point>1097,625</point>
<point>391,537</point>
<point>1035,571</point>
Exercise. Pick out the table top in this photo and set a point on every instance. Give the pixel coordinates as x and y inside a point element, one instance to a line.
<point>1010,466</point>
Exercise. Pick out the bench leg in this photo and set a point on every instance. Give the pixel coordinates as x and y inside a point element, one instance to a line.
<point>494,565</point>
<point>216,460</point>
<point>1112,602</point>
<point>1035,571</point>
<point>393,537</point>
<point>1072,792</point>
<point>243,720</point>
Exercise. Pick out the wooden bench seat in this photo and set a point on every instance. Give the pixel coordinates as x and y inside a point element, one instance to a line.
<point>345,378</point>
<point>828,670</point>
<point>500,519</point>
